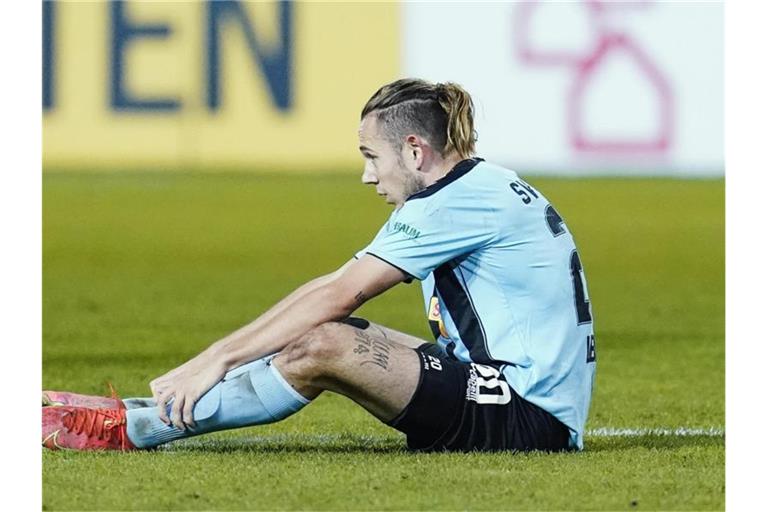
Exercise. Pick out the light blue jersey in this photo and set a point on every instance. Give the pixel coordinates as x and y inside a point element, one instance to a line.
<point>503,284</point>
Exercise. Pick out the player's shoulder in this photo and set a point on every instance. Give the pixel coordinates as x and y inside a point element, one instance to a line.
<point>470,183</point>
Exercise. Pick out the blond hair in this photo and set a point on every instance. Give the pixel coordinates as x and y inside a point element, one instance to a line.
<point>442,113</point>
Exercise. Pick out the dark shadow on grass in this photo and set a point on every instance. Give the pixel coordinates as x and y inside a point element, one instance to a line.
<point>651,442</point>
<point>347,443</point>
<point>290,443</point>
<point>350,443</point>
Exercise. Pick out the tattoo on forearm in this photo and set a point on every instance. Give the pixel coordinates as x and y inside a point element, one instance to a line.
<point>360,298</point>
<point>372,350</point>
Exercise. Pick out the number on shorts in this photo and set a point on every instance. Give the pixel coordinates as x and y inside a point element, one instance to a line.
<point>488,380</point>
<point>435,363</point>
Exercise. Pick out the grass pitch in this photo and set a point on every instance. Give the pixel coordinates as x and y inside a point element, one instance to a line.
<point>142,271</point>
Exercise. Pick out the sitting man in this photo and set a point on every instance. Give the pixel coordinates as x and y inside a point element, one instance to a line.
<point>504,292</point>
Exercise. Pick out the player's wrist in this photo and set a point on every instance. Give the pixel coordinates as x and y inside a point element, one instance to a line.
<point>222,355</point>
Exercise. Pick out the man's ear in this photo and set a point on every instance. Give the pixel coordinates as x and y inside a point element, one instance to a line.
<point>415,150</point>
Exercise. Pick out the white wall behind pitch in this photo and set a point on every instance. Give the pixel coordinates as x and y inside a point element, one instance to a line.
<point>523,104</point>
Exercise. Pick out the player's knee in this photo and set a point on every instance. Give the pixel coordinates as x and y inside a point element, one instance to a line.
<point>321,344</point>
<point>313,352</point>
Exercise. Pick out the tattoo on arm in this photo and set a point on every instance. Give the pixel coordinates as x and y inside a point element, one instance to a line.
<point>360,298</point>
<point>373,350</point>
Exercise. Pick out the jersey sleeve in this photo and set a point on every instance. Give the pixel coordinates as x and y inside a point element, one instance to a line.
<point>359,254</point>
<point>417,239</point>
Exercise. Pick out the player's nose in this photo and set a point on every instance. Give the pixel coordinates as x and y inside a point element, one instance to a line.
<point>369,178</point>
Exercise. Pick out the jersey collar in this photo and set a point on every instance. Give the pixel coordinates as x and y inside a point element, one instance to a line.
<point>459,170</point>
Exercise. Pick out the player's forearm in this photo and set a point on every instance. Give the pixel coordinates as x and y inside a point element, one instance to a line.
<point>268,315</point>
<point>285,303</point>
<point>319,305</point>
<point>276,310</point>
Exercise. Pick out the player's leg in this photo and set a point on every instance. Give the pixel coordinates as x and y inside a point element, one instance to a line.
<point>387,332</point>
<point>439,402</point>
<point>233,402</point>
<point>67,398</point>
<point>362,363</point>
<point>59,398</point>
<point>366,363</point>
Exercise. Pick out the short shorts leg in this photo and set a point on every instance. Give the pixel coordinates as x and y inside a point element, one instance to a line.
<point>464,407</point>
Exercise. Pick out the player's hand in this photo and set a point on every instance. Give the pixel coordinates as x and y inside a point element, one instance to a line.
<point>160,385</point>
<point>184,385</point>
<point>160,388</point>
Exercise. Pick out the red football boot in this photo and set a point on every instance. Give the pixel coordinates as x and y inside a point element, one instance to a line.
<point>80,428</point>
<point>55,398</point>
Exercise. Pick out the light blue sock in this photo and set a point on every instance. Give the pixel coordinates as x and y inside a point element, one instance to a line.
<point>138,403</point>
<point>254,396</point>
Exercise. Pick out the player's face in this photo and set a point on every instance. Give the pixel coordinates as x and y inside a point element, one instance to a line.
<point>385,166</point>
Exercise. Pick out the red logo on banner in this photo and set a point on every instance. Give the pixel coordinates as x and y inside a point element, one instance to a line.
<point>606,43</point>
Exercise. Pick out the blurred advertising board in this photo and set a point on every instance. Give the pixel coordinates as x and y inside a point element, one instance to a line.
<point>186,85</point>
<point>570,88</point>
<point>622,88</point>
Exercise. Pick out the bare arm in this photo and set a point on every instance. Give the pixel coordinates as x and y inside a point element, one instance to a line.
<point>332,297</point>
<point>263,320</point>
<point>296,295</point>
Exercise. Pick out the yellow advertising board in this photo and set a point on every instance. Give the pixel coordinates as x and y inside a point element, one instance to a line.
<point>207,85</point>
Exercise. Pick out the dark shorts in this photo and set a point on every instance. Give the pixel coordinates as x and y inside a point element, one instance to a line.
<point>463,407</point>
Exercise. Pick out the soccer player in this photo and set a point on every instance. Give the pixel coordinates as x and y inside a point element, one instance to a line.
<point>504,293</point>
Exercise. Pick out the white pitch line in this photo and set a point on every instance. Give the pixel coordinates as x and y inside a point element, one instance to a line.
<point>639,432</point>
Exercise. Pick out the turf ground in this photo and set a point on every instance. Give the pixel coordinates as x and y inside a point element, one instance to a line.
<point>142,271</point>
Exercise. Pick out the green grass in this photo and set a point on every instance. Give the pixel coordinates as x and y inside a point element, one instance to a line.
<point>142,271</point>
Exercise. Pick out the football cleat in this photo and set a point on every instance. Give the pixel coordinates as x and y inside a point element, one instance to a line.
<point>57,398</point>
<point>81,428</point>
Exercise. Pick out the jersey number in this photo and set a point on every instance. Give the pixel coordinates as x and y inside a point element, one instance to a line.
<point>557,227</point>
<point>491,389</point>
<point>583,314</point>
